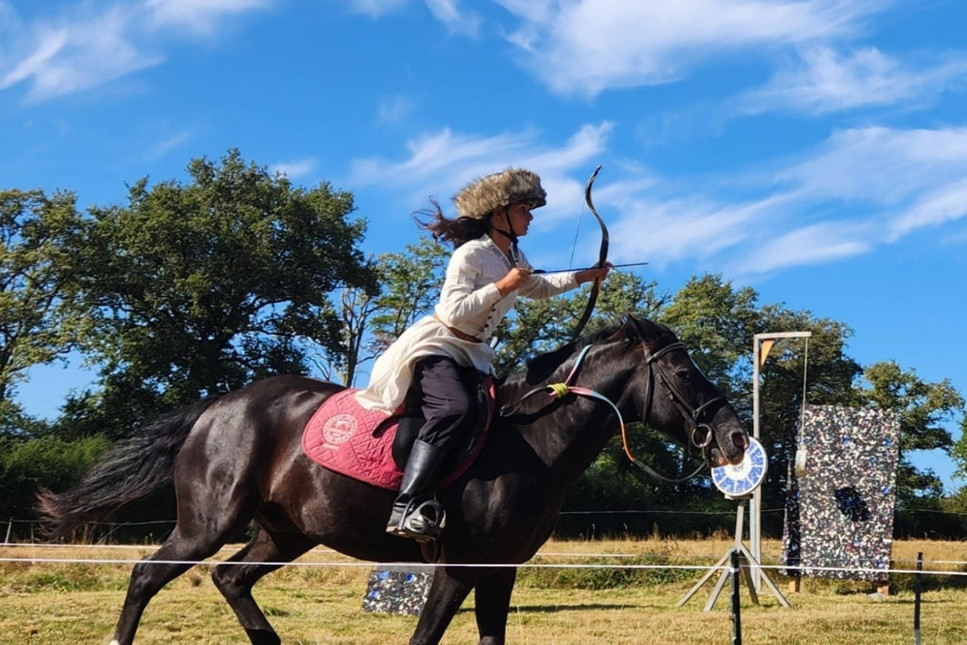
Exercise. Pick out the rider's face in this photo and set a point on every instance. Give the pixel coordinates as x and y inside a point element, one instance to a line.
<point>519,218</point>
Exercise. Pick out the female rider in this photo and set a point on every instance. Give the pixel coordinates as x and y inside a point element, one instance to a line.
<point>426,368</point>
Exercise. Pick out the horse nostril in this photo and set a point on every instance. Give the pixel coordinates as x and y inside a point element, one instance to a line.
<point>740,439</point>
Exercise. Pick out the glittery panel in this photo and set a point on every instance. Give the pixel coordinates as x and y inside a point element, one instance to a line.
<point>840,500</point>
<point>397,591</point>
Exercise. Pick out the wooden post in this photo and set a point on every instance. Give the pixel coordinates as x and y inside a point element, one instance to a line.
<point>884,588</point>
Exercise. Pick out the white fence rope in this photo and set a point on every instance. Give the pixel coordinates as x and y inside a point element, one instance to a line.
<point>785,569</point>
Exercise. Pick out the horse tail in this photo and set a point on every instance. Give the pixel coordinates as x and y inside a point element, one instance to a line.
<point>132,469</point>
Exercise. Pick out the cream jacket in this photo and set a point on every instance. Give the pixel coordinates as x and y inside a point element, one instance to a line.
<point>469,302</point>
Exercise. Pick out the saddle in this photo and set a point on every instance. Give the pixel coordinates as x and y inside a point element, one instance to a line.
<point>372,446</point>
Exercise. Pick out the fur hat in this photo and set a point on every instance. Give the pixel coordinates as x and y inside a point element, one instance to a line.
<point>482,196</point>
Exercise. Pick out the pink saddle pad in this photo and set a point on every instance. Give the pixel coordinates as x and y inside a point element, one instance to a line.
<point>345,437</point>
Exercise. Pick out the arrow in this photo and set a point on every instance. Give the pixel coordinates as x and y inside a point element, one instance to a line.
<point>615,266</point>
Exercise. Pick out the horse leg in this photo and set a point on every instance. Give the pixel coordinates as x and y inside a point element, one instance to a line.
<point>173,558</point>
<point>448,591</point>
<point>235,581</point>
<point>492,597</point>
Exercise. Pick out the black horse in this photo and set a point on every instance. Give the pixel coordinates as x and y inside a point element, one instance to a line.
<point>238,457</point>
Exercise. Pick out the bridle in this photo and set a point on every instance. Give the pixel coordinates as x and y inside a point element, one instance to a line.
<point>693,416</point>
<point>700,433</point>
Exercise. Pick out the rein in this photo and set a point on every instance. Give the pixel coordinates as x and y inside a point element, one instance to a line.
<point>691,415</point>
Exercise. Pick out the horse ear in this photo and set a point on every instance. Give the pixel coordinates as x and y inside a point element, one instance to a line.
<point>628,329</point>
<point>645,330</point>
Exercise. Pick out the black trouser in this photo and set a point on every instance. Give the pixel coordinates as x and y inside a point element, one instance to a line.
<point>438,400</point>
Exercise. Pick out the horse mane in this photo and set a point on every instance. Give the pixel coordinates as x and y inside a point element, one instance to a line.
<point>541,367</point>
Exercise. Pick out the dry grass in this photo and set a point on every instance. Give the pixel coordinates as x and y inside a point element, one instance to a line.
<point>68,603</point>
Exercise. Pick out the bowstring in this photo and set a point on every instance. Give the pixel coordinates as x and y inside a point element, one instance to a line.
<point>574,244</point>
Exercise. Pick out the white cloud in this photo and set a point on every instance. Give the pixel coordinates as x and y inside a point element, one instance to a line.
<point>531,11</point>
<point>884,184</point>
<point>465,22</point>
<point>880,165</point>
<point>374,8</point>
<point>822,81</point>
<point>593,45</point>
<point>664,232</point>
<point>814,244</point>
<point>170,143</point>
<point>73,55</point>
<point>296,168</point>
<point>881,184</point>
<point>201,16</point>
<point>938,206</point>
<point>439,164</point>
<point>86,46</point>
<point>457,21</point>
<point>394,109</point>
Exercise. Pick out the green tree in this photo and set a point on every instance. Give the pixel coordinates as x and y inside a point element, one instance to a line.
<point>717,322</point>
<point>195,289</point>
<point>537,326</point>
<point>355,308</point>
<point>410,287</point>
<point>959,450</point>
<point>33,329</point>
<point>534,327</point>
<point>954,507</point>
<point>407,287</point>
<point>923,408</point>
<point>45,461</point>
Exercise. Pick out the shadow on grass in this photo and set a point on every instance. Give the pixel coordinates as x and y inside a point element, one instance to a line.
<point>554,609</point>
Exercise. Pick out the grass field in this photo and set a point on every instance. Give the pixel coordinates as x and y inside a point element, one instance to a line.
<point>57,603</point>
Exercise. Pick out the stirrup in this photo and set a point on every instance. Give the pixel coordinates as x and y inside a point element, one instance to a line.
<point>422,521</point>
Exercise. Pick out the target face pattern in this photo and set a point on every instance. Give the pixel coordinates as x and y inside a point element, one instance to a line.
<point>743,478</point>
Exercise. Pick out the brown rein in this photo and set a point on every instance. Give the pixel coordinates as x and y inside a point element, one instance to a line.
<point>691,415</point>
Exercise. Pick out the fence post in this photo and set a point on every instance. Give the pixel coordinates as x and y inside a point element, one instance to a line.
<point>918,591</point>
<point>736,598</point>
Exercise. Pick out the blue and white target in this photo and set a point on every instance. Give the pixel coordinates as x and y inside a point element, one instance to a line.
<point>743,478</point>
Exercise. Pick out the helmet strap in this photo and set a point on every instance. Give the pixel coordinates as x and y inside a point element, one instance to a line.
<point>510,235</point>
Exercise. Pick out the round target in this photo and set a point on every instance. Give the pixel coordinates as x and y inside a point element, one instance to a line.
<point>743,478</point>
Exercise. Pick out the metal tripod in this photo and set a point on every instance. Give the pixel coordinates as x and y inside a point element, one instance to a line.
<point>747,566</point>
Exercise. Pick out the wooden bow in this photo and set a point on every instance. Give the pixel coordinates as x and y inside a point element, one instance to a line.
<point>602,258</point>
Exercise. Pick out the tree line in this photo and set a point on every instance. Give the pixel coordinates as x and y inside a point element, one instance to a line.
<point>192,289</point>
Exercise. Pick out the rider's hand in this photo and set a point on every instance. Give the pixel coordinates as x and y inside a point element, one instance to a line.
<point>590,275</point>
<point>514,280</point>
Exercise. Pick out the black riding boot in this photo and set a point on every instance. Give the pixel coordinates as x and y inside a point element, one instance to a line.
<point>416,514</point>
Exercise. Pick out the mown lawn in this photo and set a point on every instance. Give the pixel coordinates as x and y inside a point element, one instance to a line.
<point>625,592</point>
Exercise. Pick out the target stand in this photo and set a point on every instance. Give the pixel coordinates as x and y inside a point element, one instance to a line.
<point>738,482</point>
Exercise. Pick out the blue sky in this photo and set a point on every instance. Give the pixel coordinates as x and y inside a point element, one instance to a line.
<point>814,150</point>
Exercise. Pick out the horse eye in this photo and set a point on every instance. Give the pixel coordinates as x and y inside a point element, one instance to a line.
<point>684,375</point>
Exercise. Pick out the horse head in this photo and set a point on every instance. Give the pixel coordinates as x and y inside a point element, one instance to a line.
<point>673,395</point>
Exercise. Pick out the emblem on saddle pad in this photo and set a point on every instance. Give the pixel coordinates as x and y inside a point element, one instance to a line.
<point>339,429</point>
